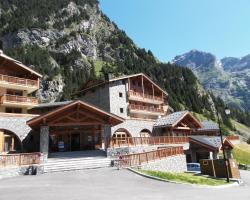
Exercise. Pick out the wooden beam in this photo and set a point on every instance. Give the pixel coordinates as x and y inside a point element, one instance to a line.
<point>153,90</point>
<point>142,86</point>
<point>1,141</point>
<point>75,124</point>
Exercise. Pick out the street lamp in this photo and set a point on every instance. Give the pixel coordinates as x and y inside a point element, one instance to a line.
<point>227,112</point>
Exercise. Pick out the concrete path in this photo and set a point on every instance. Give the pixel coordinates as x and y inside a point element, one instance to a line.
<point>108,184</point>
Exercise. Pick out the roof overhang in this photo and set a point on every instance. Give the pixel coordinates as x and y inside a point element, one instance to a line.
<point>122,78</point>
<point>19,64</point>
<point>78,107</point>
<point>205,145</point>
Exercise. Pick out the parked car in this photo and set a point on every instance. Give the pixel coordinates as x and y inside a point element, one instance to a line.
<point>194,167</point>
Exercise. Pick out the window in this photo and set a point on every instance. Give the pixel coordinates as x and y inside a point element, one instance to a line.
<point>121,110</point>
<point>120,94</point>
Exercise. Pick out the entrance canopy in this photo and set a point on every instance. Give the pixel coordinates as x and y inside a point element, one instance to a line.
<point>210,143</point>
<point>76,113</point>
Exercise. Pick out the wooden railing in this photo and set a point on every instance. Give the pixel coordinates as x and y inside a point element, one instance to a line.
<point>19,159</point>
<point>18,99</point>
<point>140,158</point>
<point>233,137</point>
<point>140,141</point>
<point>145,108</point>
<point>18,81</point>
<point>145,96</point>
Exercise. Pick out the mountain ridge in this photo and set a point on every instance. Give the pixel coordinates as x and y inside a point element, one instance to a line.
<point>228,77</point>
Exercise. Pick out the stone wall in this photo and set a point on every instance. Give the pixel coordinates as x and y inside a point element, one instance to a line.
<point>111,152</point>
<point>117,102</point>
<point>18,171</point>
<point>173,164</point>
<point>134,127</point>
<point>99,97</point>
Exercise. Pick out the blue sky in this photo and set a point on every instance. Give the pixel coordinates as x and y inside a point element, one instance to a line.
<point>172,27</point>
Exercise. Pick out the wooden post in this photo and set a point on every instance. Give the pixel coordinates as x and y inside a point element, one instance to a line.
<point>153,92</point>
<point>129,84</point>
<point>12,143</point>
<point>142,86</point>
<point>1,141</point>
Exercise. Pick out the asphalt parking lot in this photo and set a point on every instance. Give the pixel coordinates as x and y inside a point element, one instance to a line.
<point>110,183</point>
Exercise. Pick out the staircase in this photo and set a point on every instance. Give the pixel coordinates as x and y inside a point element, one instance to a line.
<point>69,161</point>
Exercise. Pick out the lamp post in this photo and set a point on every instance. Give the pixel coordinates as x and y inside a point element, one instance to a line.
<point>227,112</point>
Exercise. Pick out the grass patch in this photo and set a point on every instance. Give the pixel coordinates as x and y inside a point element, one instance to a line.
<point>185,178</point>
<point>98,67</point>
<point>241,153</point>
<point>243,129</point>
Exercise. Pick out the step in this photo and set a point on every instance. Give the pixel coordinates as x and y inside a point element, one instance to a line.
<point>72,168</point>
<point>75,164</point>
<point>56,165</point>
<point>74,159</point>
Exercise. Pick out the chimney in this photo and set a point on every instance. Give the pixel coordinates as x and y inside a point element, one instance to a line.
<point>108,76</point>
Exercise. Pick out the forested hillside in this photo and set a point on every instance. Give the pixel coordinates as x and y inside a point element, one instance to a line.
<point>72,41</point>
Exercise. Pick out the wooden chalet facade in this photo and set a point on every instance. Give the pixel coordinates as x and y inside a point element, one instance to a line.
<point>18,84</point>
<point>73,127</point>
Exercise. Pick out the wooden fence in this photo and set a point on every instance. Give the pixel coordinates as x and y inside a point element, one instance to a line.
<point>140,141</point>
<point>233,137</point>
<point>19,159</point>
<point>140,158</point>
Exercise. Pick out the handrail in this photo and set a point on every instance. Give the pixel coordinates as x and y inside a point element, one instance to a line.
<point>19,81</point>
<point>140,141</point>
<point>20,159</point>
<point>146,108</point>
<point>18,99</point>
<point>147,96</point>
<point>145,157</point>
<point>233,137</point>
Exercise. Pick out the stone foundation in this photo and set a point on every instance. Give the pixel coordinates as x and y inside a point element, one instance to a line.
<point>18,171</point>
<point>112,152</point>
<point>173,164</point>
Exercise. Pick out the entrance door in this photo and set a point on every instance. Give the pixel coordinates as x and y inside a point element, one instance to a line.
<point>75,142</point>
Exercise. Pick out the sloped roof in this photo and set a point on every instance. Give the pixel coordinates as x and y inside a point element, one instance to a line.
<point>53,104</point>
<point>17,125</point>
<point>18,63</point>
<point>121,78</point>
<point>214,142</point>
<point>82,105</point>
<point>174,118</point>
<point>209,125</point>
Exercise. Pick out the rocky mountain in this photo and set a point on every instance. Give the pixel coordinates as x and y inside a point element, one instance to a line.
<point>72,41</point>
<point>228,78</point>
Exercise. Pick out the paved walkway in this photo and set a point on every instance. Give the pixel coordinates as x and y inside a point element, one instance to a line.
<point>108,184</point>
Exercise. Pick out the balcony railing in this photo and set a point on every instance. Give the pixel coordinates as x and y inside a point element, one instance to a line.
<point>145,108</point>
<point>145,96</point>
<point>18,81</point>
<point>141,141</point>
<point>140,158</point>
<point>6,98</point>
<point>233,137</point>
<point>20,159</point>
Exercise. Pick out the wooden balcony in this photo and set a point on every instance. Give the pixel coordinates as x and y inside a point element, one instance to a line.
<point>20,159</point>
<point>139,109</point>
<point>137,96</point>
<point>12,82</point>
<point>18,101</point>
<point>142,141</point>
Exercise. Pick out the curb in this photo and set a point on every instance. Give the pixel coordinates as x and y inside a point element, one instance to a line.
<point>190,184</point>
